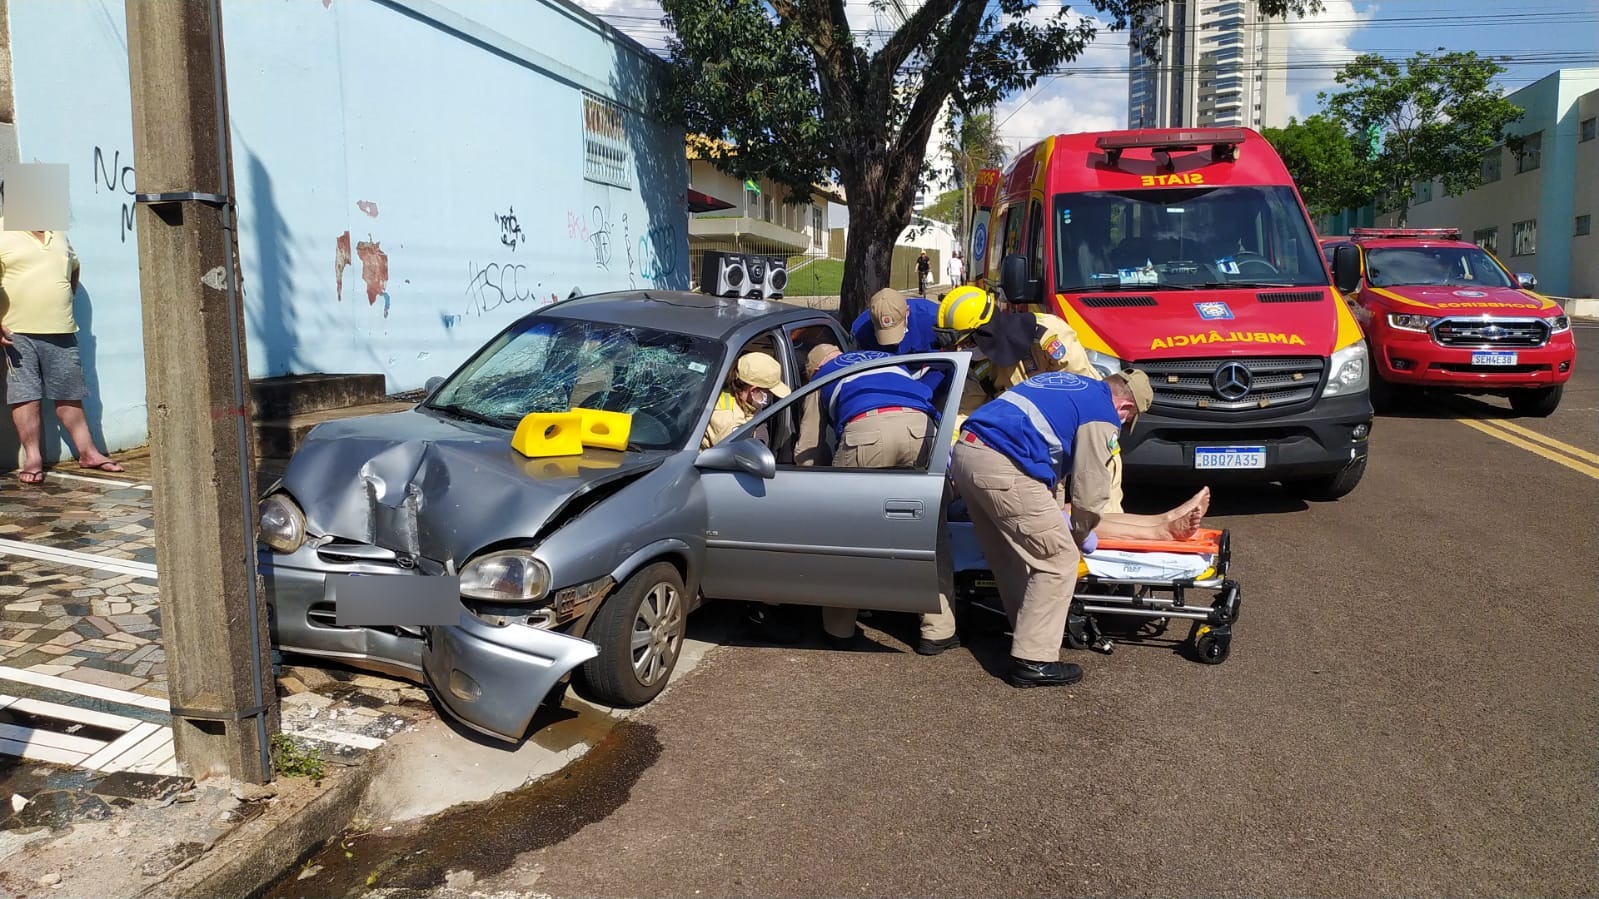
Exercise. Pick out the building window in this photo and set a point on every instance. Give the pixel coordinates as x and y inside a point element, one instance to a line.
<point>766,212</point>
<point>752,203</point>
<point>1584,223</point>
<point>818,229</point>
<point>1524,237</point>
<point>1586,130</point>
<point>1487,238</point>
<point>1529,155</point>
<point>1492,163</point>
<point>1423,193</point>
<point>605,153</point>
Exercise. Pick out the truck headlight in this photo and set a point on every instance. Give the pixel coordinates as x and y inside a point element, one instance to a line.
<point>1405,321</point>
<point>1348,374</point>
<point>281,525</point>
<point>512,575</point>
<point>1559,324</point>
<point>1104,363</point>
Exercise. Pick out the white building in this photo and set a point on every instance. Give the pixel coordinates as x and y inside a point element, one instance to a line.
<point>1223,64</point>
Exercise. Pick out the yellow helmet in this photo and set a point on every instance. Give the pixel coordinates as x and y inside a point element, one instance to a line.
<point>964,309</point>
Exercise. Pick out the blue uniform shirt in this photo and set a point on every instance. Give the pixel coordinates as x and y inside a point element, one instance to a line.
<point>1035,423</point>
<point>879,388</point>
<point>921,317</point>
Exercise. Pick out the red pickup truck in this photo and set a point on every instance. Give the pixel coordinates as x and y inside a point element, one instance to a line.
<point>1442,313</point>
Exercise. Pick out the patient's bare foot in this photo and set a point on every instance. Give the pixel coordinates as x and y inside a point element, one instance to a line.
<point>1183,521</point>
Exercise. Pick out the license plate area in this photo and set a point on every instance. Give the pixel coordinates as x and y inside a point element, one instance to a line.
<point>1229,457</point>
<point>1493,358</point>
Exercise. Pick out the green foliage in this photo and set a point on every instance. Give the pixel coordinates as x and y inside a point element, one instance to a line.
<point>948,208</point>
<point>290,758</point>
<point>1437,114</point>
<point>1328,163</point>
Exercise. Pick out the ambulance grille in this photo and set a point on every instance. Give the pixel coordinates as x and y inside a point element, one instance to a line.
<point>1117,301</point>
<point>1492,332</point>
<point>1276,383</point>
<point>1296,296</point>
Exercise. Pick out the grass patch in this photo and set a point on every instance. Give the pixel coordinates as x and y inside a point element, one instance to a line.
<point>293,759</point>
<point>822,278</point>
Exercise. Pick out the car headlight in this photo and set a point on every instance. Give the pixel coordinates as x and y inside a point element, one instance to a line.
<point>1348,371</point>
<point>281,525</point>
<point>1559,324</point>
<point>512,575</point>
<point>1405,321</point>
<point>1104,363</point>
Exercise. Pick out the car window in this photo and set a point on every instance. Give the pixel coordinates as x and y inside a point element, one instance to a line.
<point>773,343</point>
<point>1440,266</point>
<point>549,364</point>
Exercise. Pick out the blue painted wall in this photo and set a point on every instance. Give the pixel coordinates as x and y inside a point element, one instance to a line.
<point>410,178</point>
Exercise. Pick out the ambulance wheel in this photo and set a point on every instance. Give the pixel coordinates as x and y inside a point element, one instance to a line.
<point>1539,403</point>
<point>639,630</point>
<point>1333,486</point>
<point>1211,646</point>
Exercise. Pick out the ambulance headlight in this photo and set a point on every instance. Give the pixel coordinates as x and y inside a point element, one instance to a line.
<point>1405,321</point>
<point>1348,373</point>
<point>1104,363</point>
<point>1559,324</point>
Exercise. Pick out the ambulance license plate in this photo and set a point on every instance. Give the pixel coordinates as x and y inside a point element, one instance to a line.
<point>1493,358</point>
<point>1229,457</point>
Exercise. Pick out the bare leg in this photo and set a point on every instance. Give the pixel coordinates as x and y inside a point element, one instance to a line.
<point>72,418</point>
<point>1178,524</point>
<point>25,416</point>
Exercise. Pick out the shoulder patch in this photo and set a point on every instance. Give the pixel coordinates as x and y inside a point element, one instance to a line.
<point>1113,444</point>
<point>1055,348</point>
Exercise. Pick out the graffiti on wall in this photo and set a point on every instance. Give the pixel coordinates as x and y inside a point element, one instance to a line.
<point>657,253</point>
<point>510,230</point>
<point>116,178</point>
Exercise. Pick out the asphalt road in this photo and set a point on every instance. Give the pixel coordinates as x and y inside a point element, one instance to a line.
<point>1410,708</point>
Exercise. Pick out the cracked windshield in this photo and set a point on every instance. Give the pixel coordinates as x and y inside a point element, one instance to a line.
<point>554,365</point>
<point>1210,237</point>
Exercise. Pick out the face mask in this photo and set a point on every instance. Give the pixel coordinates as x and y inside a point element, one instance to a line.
<point>760,399</point>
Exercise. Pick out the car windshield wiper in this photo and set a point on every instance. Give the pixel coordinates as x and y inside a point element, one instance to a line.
<point>1213,285</point>
<point>1115,287</point>
<point>460,411</point>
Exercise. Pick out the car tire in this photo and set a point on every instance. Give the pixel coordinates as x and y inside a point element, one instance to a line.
<point>1539,403</point>
<point>639,630</point>
<point>1384,396</point>
<point>1331,487</point>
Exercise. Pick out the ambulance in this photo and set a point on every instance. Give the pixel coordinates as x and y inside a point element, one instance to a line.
<point>1188,253</point>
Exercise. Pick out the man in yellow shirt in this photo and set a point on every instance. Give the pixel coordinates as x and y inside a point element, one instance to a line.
<point>38,278</point>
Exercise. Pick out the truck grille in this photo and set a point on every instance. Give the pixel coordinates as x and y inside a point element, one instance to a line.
<point>1245,384</point>
<point>1493,332</point>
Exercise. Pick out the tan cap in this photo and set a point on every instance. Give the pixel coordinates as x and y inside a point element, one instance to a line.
<point>889,311</point>
<point>761,370</point>
<point>1138,383</point>
<point>818,355</point>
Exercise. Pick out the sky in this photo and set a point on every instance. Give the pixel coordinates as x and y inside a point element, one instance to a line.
<point>1539,37</point>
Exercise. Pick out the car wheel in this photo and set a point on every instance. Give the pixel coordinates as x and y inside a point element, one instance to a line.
<point>1383,394</point>
<point>1540,403</point>
<point>1331,487</point>
<point>639,631</point>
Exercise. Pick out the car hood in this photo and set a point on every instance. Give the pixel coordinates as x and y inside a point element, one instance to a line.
<point>1167,324</point>
<point>442,489</point>
<point>1432,299</point>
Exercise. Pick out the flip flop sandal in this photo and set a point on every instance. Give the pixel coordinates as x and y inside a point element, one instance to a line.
<point>31,477</point>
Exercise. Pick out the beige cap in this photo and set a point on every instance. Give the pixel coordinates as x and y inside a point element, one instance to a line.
<point>889,311</point>
<point>761,370</point>
<point>1138,383</point>
<point>818,355</point>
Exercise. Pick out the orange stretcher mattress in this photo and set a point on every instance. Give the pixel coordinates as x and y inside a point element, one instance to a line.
<point>1204,541</point>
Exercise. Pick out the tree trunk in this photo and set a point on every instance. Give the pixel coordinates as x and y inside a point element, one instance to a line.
<point>880,201</point>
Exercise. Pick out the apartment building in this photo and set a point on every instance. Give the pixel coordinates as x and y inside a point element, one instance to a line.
<point>1222,64</point>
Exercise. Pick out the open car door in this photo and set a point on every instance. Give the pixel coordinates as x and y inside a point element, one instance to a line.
<point>854,537</point>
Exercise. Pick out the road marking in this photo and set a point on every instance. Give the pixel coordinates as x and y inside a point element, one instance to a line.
<point>41,553</point>
<point>1510,438</point>
<point>94,691</point>
<point>1530,434</point>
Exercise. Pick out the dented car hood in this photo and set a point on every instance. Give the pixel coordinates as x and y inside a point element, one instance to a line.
<point>437,488</point>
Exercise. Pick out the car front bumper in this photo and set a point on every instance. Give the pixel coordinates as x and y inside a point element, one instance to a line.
<point>492,678</point>
<point>1318,441</point>
<point>1414,359</point>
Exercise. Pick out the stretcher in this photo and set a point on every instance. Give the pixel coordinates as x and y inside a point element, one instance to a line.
<point>1129,590</point>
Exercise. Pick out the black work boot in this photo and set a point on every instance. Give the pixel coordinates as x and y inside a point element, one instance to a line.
<point>1027,673</point>
<point>928,647</point>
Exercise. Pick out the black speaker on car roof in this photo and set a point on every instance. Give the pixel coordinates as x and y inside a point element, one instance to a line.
<point>755,270</point>
<point>775,279</point>
<point>724,274</point>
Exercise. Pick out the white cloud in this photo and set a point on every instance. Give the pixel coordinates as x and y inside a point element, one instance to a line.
<point>638,19</point>
<point>1093,98</point>
<point>1317,47</point>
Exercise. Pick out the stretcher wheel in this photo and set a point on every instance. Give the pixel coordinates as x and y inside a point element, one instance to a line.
<point>1211,645</point>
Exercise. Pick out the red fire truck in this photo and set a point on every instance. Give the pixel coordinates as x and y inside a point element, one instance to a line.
<point>1188,253</point>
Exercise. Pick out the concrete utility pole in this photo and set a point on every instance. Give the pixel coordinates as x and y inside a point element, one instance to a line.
<point>213,621</point>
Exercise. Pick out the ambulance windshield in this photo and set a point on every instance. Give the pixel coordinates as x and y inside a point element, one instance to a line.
<point>1238,236</point>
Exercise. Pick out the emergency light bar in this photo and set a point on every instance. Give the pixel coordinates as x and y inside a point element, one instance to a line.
<point>1421,233</point>
<point>1223,142</point>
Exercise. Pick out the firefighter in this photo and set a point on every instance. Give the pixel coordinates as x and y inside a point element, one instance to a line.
<point>754,383</point>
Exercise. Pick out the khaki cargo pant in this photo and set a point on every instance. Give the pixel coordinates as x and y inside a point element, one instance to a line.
<point>1019,524</point>
<point>895,440</point>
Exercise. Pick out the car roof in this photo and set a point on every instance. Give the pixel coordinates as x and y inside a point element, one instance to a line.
<point>1408,242</point>
<point>681,312</point>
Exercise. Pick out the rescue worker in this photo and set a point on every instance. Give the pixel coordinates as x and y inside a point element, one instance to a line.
<point>1011,455</point>
<point>897,325</point>
<point>883,418</point>
<point>754,383</point>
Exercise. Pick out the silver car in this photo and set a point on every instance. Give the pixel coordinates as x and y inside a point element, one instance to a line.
<point>591,561</point>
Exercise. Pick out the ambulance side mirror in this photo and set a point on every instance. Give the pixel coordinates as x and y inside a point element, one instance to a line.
<point>1346,268</point>
<point>1014,282</point>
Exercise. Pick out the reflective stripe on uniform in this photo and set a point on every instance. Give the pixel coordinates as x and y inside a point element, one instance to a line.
<point>1035,417</point>
<point>726,402</point>
<point>832,400</point>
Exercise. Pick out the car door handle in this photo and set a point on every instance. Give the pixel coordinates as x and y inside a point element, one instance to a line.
<point>902,508</point>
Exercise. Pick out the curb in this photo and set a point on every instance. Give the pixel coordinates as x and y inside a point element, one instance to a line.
<point>259,851</point>
<point>1583,309</point>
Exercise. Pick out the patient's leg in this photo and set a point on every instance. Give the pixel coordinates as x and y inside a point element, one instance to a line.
<point>1178,524</point>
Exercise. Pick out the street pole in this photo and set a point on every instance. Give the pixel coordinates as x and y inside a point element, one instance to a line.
<point>213,622</point>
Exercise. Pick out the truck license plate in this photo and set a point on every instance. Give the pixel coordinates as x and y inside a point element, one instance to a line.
<point>1230,457</point>
<point>1493,358</point>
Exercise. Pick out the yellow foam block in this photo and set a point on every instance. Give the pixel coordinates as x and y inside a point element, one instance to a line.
<point>606,430</point>
<point>549,434</point>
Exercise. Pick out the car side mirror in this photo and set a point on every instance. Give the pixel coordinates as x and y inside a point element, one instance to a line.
<point>1346,268</point>
<point>432,384</point>
<point>747,455</point>
<point>1013,281</point>
<point>1527,280</point>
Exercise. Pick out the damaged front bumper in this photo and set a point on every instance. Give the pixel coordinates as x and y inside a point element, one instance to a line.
<point>491,677</point>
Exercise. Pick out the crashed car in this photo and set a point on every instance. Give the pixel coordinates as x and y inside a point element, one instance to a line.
<point>589,561</point>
